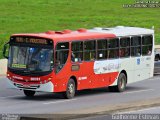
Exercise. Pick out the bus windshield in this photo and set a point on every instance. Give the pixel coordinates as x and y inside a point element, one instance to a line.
<point>31,59</point>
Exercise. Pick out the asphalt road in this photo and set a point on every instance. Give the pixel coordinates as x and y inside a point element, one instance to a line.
<point>14,102</point>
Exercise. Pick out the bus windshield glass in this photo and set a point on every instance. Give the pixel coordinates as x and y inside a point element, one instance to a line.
<point>30,55</point>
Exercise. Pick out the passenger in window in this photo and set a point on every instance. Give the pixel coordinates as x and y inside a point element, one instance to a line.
<point>92,56</point>
<point>122,52</point>
<point>128,53</point>
<point>76,57</point>
<point>138,52</point>
<point>57,63</point>
<point>149,52</point>
<point>73,57</point>
<point>79,58</point>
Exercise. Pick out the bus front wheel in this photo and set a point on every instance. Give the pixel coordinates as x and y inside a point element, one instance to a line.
<point>70,90</point>
<point>29,93</point>
<point>121,84</point>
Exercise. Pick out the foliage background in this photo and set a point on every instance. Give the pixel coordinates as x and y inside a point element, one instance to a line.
<point>23,16</point>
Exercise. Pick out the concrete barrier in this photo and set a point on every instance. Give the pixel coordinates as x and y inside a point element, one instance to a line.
<point>3,66</point>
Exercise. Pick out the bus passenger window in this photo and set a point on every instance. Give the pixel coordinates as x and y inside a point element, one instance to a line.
<point>102,49</point>
<point>77,52</point>
<point>136,46</point>
<point>147,45</point>
<point>113,53</point>
<point>89,50</point>
<point>124,47</point>
<point>113,48</point>
<point>136,51</point>
<point>124,52</point>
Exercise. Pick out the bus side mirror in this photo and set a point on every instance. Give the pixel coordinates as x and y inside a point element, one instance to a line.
<point>6,50</point>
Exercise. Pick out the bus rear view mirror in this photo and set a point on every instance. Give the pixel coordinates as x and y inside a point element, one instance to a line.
<point>6,50</point>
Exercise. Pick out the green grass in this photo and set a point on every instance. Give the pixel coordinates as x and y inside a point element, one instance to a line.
<point>20,16</point>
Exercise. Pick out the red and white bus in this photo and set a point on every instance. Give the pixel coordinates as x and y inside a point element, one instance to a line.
<point>66,61</point>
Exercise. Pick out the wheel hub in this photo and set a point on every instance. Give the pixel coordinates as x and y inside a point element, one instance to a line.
<point>71,88</point>
<point>122,83</point>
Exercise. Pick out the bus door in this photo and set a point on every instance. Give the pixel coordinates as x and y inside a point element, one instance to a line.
<point>141,49</point>
<point>136,53</point>
<point>147,56</point>
<point>61,56</point>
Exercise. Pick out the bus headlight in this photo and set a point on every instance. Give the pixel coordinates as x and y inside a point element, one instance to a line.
<point>49,78</point>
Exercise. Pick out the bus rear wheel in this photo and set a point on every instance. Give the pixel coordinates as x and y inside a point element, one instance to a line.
<point>121,84</point>
<point>29,93</point>
<point>70,91</point>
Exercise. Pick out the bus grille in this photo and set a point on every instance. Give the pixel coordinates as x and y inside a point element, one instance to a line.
<point>27,81</point>
<point>28,87</point>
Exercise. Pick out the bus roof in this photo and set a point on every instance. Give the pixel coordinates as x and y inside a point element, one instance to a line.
<point>90,34</point>
<point>74,35</point>
<point>123,31</point>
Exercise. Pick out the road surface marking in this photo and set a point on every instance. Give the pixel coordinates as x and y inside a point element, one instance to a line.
<point>138,91</point>
<point>59,101</point>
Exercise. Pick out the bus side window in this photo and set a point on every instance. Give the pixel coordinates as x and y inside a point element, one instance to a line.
<point>124,47</point>
<point>77,52</point>
<point>102,49</point>
<point>136,46</point>
<point>90,50</point>
<point>113,48</point>
<point>147,42</point>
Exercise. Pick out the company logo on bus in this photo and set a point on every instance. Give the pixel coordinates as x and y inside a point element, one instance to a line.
<point>106,66</point>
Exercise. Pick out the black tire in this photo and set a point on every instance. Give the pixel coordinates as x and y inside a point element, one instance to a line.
<point>70,90</point>
<point>29,93</point>
<point>121,84</point>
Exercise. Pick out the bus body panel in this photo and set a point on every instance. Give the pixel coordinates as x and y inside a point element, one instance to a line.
<point>87,74</point>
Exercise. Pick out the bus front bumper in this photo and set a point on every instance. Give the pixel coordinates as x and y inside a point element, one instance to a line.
<point>47,87</point>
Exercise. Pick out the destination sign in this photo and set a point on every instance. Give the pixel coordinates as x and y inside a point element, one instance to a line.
<point>30,40</point>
